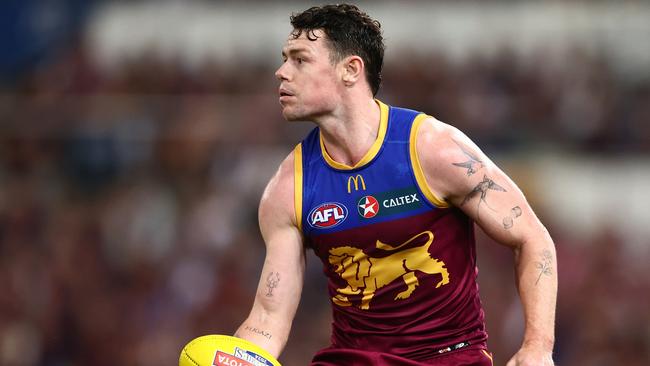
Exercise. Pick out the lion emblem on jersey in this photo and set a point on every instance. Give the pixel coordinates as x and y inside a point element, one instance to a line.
<point>365,275</point>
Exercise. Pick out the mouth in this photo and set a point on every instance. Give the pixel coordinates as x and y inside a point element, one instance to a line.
<point>285,93</point>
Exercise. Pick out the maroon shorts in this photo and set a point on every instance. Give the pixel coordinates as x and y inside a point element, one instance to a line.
<point>470,356</point>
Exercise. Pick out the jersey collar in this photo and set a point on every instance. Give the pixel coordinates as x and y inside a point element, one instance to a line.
<point>372,152</point>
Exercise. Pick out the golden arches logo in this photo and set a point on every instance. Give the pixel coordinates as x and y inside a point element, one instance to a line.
<point>356,179</point>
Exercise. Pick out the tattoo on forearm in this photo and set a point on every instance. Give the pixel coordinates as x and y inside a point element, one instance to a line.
<point>272,281</point>
<point>261,332</point>
<point>508,221</point>
<point>482,189</point>
<point>545,265</point>
<point>473,164</point>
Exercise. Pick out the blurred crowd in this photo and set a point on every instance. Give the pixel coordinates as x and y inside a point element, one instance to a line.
<point>128,202</point>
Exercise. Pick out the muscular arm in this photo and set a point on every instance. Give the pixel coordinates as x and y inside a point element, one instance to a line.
<point>281,280</point>
<point>458,172</point>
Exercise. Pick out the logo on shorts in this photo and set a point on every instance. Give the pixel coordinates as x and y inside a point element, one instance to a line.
<point>368,207</point>
<point>327,215</point>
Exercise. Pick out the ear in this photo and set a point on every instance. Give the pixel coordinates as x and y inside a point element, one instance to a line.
<point>352,70</point>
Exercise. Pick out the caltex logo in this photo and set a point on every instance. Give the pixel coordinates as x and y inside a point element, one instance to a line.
<point>368,207</point>
<point>327,215</point>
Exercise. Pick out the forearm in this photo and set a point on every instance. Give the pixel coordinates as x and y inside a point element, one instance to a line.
<point>265,330</point>
<point>536,271</point>
<point>276,301</point>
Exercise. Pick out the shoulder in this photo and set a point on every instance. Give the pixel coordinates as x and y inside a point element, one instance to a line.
<point>447,157</point>
<point>437,143</point>
<point>433,133</point>
<point>277,202</point>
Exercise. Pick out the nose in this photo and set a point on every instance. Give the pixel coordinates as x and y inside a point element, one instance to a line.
<point>281,72</point>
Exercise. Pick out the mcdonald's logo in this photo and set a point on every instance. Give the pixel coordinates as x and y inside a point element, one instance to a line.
<point>356,179</point>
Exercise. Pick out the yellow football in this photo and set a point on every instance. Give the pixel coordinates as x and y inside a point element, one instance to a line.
<point>223,350</point>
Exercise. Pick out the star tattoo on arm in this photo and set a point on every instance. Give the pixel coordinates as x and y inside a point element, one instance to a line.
<point>482,189</point>
<point>473,164</point>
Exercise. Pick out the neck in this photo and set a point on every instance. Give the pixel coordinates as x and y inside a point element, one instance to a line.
<point>350,131</point>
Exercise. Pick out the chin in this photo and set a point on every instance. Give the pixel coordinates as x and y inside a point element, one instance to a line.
<point>292,116</point>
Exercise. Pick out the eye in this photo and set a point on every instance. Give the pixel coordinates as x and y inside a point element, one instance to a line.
<point>299,60</point>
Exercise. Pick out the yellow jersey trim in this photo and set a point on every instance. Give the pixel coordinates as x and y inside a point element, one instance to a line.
<point>297,184</point>
<point>417,168</point>
<point>374,149</point>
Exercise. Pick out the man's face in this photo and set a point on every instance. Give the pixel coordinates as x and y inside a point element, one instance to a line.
<point>309,82</point>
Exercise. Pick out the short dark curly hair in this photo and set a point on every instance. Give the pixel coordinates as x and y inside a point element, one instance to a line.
<point>350,31</point>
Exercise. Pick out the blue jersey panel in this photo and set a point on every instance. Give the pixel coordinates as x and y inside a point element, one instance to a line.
<point>381,190</point>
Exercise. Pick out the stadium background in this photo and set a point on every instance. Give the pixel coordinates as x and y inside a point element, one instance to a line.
<point>136,138</point>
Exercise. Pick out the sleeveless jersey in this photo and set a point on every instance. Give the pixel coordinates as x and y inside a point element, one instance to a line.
<point>400,263</point>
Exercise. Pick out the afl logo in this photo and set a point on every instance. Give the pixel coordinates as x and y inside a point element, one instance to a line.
<point>327,215</point>
<point>368,207</point>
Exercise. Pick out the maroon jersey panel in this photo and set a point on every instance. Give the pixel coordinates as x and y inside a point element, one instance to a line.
<point>405,287</point>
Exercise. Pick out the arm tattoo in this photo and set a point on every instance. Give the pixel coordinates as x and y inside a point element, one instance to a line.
<point>261,332</point>
<point>482,188</point>
<point>508,221</point>
<point>544,266</point>
<point>473,164</point>
<point>272,281</point>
